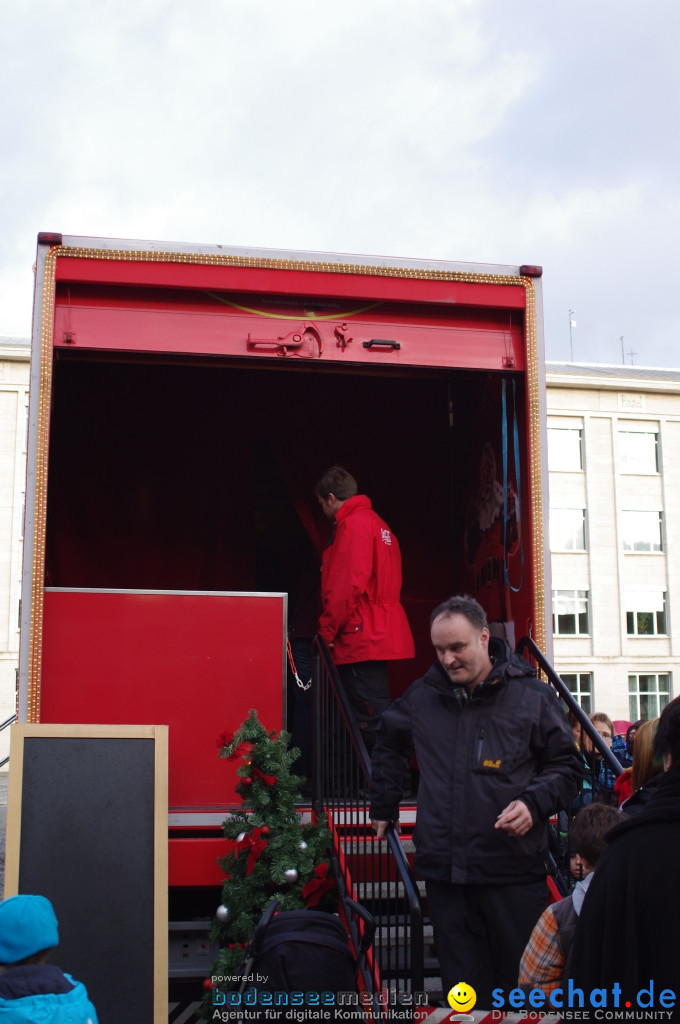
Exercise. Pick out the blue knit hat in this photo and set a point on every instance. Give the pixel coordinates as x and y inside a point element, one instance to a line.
<point>28,925</point>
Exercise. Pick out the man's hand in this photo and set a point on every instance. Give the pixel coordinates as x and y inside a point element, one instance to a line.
<point>516,819</point>
<point>380,827</point>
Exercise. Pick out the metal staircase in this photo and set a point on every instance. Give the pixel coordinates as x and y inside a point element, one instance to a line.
<point>374,872</point>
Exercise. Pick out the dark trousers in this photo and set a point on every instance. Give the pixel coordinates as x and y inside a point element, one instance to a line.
<point>480,932</point>
<point>368,692</point>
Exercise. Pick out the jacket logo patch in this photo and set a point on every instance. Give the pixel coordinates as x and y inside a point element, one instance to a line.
<point>386,537</point>
<point>491,764</point>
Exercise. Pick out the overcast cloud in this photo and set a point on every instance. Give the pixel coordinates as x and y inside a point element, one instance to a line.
<point>481,130</point>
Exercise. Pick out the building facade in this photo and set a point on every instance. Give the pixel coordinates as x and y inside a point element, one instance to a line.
<point>14,378</point>
<point>614,471</point>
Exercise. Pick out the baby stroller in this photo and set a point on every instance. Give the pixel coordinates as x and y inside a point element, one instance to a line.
<point>298,960</point>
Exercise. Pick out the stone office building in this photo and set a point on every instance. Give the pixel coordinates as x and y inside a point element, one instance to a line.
<point>614,470</point>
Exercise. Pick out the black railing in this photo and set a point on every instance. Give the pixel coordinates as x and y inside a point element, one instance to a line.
<point>528,646</point>
<point>375,873</point>
<point>3,725</point>
<point>558,832</point>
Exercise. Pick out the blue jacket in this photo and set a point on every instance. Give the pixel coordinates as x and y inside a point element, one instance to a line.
<point>43,994</point>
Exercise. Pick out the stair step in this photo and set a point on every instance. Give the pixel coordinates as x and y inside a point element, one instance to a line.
<point>384,890</point>
<point>396,962</point>
<point>360,844</point>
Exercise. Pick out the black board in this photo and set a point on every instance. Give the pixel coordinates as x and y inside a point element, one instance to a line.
<point>85,830</point>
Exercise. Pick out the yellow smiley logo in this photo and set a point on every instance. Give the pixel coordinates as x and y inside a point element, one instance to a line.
<point>462,997</point>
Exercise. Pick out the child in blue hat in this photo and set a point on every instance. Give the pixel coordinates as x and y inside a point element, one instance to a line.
<point>30,988</point>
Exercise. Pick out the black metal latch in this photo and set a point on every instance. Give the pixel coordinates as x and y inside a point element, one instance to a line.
<point>381,343</point>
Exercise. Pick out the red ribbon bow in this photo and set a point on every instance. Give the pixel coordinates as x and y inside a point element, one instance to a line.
<point>225,739</point>
<point>252,842</point>
<point>268,780</point>
<point>318,885</point>
<point>242,750</point>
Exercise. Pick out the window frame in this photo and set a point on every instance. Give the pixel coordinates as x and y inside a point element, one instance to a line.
<point>624,431</point>
<point>637,604</point>
<point>635,547</point>
<point>554,509</point>
<point>636,695</point>
<point>576,595</point>
<point>578,692</point>
<point>562,467</point>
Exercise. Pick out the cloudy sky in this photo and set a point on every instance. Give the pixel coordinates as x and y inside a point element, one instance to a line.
<point>481,130</point>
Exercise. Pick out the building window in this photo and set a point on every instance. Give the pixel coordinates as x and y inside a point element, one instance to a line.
<point>565,448</point>
<point>570,613</point>
<point>567,529</point>
<point>648,695</point>
<point>638,450</point>
<point>581,688</point>
<point>646,613</point>
<point>642,530</point>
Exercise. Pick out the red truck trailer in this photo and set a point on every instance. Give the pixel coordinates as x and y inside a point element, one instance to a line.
<point>184,400</point>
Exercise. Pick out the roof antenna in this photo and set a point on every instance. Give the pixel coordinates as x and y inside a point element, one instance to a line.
<point>572,323</point>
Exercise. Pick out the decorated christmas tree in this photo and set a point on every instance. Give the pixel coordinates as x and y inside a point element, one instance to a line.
<point>272,854</point>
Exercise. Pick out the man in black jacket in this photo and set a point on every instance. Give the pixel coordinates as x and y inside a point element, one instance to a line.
<point>496,759</point>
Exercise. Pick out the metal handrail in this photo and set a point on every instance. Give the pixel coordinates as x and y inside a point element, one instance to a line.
<point>527,644</point>
<point>3,725</point>
<point>364,871</point>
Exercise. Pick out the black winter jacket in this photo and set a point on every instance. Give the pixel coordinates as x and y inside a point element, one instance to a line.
<point>509,741</point>
<point>628,928</point>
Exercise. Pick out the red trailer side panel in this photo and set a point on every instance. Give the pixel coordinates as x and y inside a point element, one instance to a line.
<point>195,662</point>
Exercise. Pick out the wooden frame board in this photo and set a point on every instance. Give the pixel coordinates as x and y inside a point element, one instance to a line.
<point>87,826</point>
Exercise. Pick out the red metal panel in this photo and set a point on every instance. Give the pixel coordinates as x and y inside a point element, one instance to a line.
<point>363,285</point>
<point>195,662</point>
<point>194,861</point>
<point>478,343</point>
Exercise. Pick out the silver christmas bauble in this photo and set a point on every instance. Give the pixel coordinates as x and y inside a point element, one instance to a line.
<point>291,875</point>
<point>303,845</point>
<point>222,913</point>
<point>240,837</point>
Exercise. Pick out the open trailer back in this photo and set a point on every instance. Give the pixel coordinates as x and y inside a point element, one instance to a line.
<point>184,400</point>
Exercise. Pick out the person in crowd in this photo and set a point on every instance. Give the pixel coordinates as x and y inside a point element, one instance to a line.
<point>543,960</point>
<point>606,776</point>
<point>362,620</point>
<point>623,786</point>
<point>630,737</point>
<point>646,770</point>
<point>628,931</point>
<point>496,759</point>
<point>32,990</point>
<point>589,781</point>
<point>620,750</point>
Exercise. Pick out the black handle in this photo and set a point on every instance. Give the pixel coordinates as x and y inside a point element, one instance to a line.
<point>382,342</point>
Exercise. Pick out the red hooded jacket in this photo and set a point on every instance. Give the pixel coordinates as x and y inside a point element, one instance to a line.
<point>360,587</point>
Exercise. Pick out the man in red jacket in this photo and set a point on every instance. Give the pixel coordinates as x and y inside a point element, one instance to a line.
<point>362,620</point>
